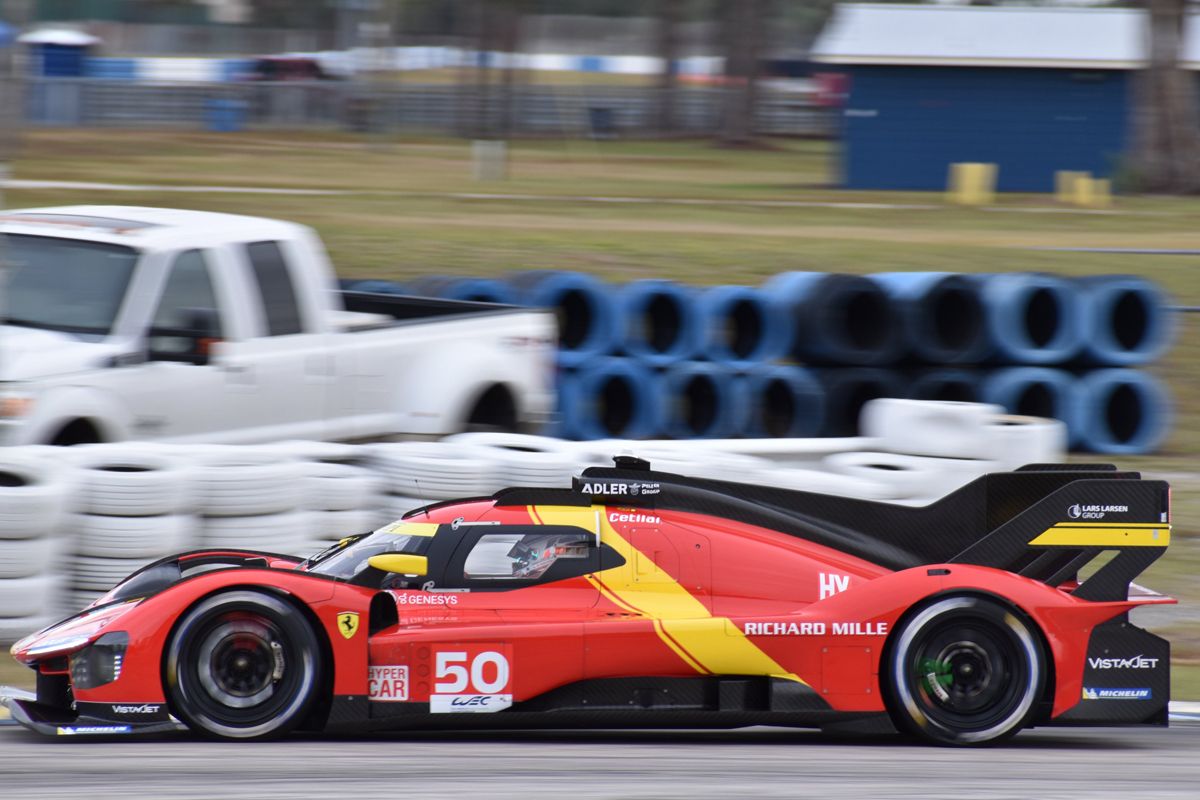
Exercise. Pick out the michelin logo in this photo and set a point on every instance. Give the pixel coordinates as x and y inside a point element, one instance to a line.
<point>75,730</point>
<point>1115,694</point>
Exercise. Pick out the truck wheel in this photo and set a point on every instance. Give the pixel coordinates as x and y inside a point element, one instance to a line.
<point>496,410</point>
<point>964,671</point>
<point>242,665</point>
<point>78,431</point>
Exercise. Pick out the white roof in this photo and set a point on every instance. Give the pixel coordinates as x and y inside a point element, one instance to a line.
<point>140,226</point>
<point>62,36</point>
<point>993,36</point>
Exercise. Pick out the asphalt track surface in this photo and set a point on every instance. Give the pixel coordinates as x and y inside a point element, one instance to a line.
<point>584,765</point>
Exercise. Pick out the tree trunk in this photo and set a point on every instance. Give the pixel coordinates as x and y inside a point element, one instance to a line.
<point>670,15</point>
<point>1166,121</point>
<point>743,51</point>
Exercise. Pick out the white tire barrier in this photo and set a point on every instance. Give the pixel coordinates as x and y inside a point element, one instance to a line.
<point>327,527</point>
<point>523,460</point>
<point>911,477</point>
<point>28,597</point>
<point>341,487</point>
<point>304,450</point>
<point>236,482</point>
<point>98,574</point>
<point>1013,441</point>
<point>16,628</point>
<point>33,496</point>
<point>811,480</point>
<point>132,537</point>
<point>439,471</point>
<point>929,427</point>
<point>287,533</point>
<point>396,506</point>
<point>132,481</point>
<point>23,558</point>
<point>713,466</point>
<point>75,600</point>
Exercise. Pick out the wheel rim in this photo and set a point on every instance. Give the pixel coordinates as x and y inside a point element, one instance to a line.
<point>241,660</point>
<point>965,676</point>
<point>966,671</point>
<point>242,666</point>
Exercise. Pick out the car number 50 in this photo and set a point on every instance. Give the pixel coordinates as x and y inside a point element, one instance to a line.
<point>451,665</point>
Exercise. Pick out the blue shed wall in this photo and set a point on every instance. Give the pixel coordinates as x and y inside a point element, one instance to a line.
<point>904,126</point>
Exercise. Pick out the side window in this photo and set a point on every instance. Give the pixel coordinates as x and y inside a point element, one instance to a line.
<point>524,557</point>
<point>275,285</point>
<point>189,302</point>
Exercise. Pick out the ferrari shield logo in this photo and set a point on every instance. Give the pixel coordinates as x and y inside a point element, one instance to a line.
<point>348,623</point>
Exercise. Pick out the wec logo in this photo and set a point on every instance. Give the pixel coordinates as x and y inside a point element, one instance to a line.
<point>1133,662</point>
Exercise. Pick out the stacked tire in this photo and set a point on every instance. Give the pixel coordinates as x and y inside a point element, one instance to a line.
<point>135,505</point>
<point>343,499</point>
<point>33,498</point>
<point>252,499</point>
<point>656,358</point>
<point>415,474</point>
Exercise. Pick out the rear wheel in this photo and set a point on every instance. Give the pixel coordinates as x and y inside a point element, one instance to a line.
<point>964,671</point>
<point>242,665</point>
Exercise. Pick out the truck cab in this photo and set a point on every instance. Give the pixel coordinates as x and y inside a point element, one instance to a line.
<point>141,323</point>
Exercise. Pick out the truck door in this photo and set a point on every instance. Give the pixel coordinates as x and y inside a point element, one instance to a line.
<point>282,376</point>
<point>179,392</point>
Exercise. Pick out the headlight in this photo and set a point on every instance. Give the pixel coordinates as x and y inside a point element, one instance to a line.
<point>15,405</point>
<point>101,662</point>
<point>61,645</point>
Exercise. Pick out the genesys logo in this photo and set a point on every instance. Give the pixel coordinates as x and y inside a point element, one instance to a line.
<point>144,708</point>
<point>1133,662</point>
<point>440,599</point>
<point>1078,511</point>
<point>1090,693</point>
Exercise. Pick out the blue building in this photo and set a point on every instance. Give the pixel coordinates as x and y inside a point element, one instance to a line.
<point>1033,90</point>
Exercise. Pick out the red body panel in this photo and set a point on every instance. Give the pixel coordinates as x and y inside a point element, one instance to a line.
<point>696,596</point>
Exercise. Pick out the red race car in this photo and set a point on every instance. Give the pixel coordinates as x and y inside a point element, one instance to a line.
<point>639,598</point>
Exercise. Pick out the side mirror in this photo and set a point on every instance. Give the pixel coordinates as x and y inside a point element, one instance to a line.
<point>189,344</point>
<point>400,563</point>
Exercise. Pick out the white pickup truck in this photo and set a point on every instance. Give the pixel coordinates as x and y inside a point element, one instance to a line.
<point>146,323</point>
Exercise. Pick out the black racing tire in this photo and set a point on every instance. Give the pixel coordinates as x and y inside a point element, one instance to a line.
<point>964,670</point>
<point>243,665</point>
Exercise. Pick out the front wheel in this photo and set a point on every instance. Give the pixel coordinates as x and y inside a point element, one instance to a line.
<point>964,671</point>
<point>242,665</point>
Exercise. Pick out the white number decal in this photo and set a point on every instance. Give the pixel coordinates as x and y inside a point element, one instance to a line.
<point>483,659</point>
<point>450,665</point>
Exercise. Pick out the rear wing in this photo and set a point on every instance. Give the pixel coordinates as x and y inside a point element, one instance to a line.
<point>1061,534</point>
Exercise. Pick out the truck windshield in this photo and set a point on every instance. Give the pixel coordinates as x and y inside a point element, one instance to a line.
<point>64,284</point>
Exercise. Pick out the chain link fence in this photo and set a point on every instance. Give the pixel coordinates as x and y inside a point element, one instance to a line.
<point>427,108</point>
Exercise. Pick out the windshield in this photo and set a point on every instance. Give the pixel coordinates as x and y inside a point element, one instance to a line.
<point>64,284</point>
<point>349,557</point>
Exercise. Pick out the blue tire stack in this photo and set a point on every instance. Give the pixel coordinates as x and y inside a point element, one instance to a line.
<point>800,355</point>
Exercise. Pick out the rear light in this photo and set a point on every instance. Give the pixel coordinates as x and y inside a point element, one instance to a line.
<point>101,662</point>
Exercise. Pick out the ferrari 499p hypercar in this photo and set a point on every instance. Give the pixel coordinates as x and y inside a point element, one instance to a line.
<point>638,598</point>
